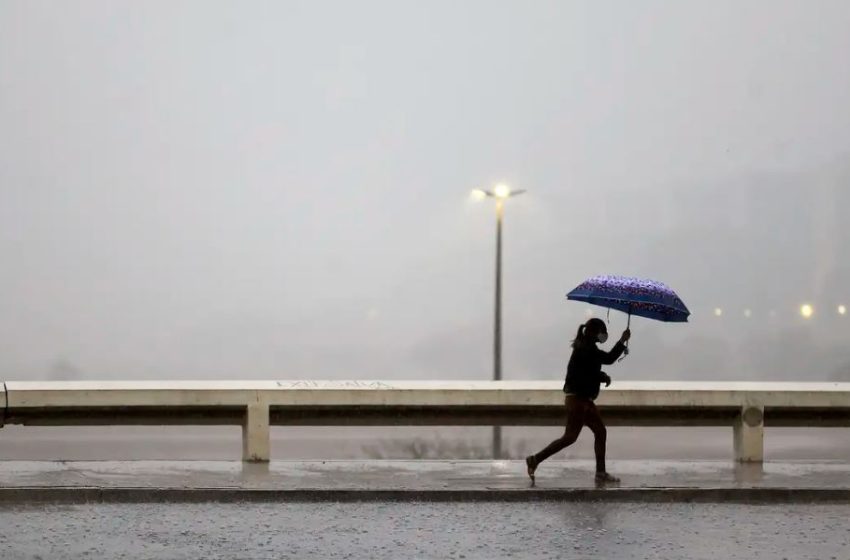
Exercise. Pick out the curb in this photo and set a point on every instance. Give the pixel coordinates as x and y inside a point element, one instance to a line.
<point>129,495</point>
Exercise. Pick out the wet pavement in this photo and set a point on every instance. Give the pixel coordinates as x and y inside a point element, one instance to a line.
<point>472,531</point>
<point>484,477</point>
<point>334,520</point>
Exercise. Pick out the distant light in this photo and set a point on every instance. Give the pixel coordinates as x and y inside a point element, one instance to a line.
<point>807,311</point>
<point>748,313</point>
<point>589,312</point>
<point>478,194</point>
<point>718,312</point>
<point>842,310</point>
<point>502,191</point>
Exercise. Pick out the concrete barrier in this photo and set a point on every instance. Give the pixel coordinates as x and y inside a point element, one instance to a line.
<point>257,405</point>
<point>3,407</point>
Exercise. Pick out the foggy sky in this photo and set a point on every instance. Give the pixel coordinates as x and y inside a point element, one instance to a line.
<point>280,189</point>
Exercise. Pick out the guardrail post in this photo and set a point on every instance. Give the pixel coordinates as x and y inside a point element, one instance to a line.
<point>255,433</point>
<point>749,434</point>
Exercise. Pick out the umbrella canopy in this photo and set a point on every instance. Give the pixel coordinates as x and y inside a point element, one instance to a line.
<point>635,296</point>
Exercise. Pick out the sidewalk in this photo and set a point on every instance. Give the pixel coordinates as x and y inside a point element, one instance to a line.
<point>154,481</point>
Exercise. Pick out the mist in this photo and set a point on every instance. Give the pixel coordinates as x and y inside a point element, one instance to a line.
<point>280,189</point>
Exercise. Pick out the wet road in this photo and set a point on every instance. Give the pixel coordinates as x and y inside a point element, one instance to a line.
<point>425,530</point>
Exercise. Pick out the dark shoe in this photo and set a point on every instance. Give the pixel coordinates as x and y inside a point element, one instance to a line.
<point>605,478</point>
<point>531,465</point>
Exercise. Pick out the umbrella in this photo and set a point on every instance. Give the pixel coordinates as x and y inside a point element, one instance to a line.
<point>635,296</point>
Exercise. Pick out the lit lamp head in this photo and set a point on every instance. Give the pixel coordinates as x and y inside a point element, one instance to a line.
<point>502,191</point>
<point>499,192</point>
<point>806,310</point>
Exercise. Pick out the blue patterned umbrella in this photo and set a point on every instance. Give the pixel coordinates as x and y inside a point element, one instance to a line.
<point>635,296</point>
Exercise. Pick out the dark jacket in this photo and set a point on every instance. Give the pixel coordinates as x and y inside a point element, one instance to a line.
<point>584,372</point>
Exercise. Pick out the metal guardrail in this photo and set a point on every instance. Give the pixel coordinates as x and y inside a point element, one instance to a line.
<point>257,405</point>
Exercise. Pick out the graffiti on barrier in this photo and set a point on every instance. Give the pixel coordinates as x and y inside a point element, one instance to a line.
<point>311,384</point>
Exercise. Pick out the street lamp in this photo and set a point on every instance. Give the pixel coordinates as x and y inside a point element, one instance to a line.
<point>501,193</point>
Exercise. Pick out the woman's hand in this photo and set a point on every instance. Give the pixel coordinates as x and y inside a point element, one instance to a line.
<point>627,334</point>
<point>606,379</point>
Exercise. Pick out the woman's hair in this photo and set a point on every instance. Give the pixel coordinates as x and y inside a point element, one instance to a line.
<point>595,325</point>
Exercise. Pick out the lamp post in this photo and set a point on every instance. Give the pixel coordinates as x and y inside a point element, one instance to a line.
<point>500,193</point>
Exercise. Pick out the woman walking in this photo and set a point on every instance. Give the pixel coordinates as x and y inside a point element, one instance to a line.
<point>584,376</point>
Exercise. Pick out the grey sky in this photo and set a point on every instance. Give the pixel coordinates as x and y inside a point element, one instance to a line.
<point>279,189</point>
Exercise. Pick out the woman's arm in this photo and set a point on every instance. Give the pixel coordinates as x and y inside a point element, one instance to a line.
<point>608,358</point>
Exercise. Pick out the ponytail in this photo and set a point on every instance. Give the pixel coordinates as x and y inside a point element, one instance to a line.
<point>579,339</point>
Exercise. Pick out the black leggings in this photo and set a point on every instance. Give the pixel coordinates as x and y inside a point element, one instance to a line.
<point>580,412</point>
